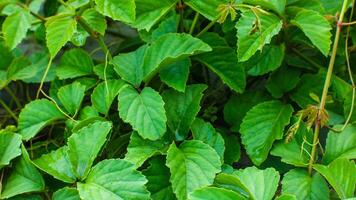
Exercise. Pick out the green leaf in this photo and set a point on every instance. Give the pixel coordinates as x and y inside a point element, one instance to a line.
<point>206,133</point>
<point>59,30</point>
<point>275,5</point>
<point>144,111</point>
<point>168,25</point>
<point>149,12</point>
<point>283,80</point>
<point>341,176</point>
<point>139,149</point>
<point>213,193</point>
<point>85,144</point>
<point>66,194</point>
<point>261,184</point>
<point>95,20</point>
<point>266,61</point>
<point>9,147</point>
<point>238,105</point>
<point>23,178</point>
<point>316,28</point>
<point>232,152</point>
<point>308,84</point>
<point>36,115</point>
<point>114,179</point>
<point>75,63</point>
<point>208,8</point>
<point>298,182</point>
<point>169,48</point>
<point>232,182</point>
<point>117,9</point>
<point>286,197</point>
<point>6,56</point>
<point>186,174</point>
<point>104,94</point>
<point>129,65</point>
<point>340,145</point>
<point>15,27</point>
<point>261,126</point>
<point>296,152</point>
<point>182,108</point>
<point>71,96</point>
<point>252,36</point>
<point>57,164</point>
<point>176,74</point>
<point>223,61</point>
<point>158,184</point>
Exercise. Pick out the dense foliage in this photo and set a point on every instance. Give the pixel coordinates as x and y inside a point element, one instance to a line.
<point>177,99</point>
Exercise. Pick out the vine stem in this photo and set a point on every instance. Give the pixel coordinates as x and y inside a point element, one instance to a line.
<point>94,35</point>
<point>207,27</point>
<point>8,110</point>
<point>326,86</point>
<point>195,20</point>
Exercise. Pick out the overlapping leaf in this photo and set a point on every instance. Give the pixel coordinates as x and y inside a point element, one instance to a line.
<point>262,125</point>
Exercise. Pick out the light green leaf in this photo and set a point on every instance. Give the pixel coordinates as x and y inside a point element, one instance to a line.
<point>129,65</point>
<point>206,133</point>
<point>186,175</point>
<point>75,63</point>
<point>266,61</point>
<point>57,164</point>
<point>36,115</point>
<point>316,28</point>
<point>283,80</point>
<point>59,30</point>
<point>223,61</point>
<point>9,147</point>
<point>232,182</point>
<point>168,49</point>
<point>71,96</point>
<point>139,149</point>
<point>252,36</point>
<point>117,9</point>
<point>182,108</point>
<point>208,8</point>
<point>340,145</point>
<point>144,111</point>
<point>85,144</point>
<point>261,184</point>
<point>114,179</point>
<point>176,74</point>
<point>341,176</point>
<point>104,94</point>
<point>95,20</point>
<point>66,194</point>
<point>23,178</point>
<point>213,193</point>
<point>286,197</point>
<point>261,126</point>
<point>158,184</point>
<point>298,182</point>
<point>275,5</point>
<point>238,105</point>
<point>15,27</point>
<point>149,12</point>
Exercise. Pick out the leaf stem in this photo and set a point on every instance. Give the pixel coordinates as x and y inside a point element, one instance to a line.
<point>8,110</point>
<point>207,27</point>
<point>326,86</point>
<point>195,20</point>
<point>13,96</point>
<point>44,77</point>
<point>349,23</point>
<point>94,35</point>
